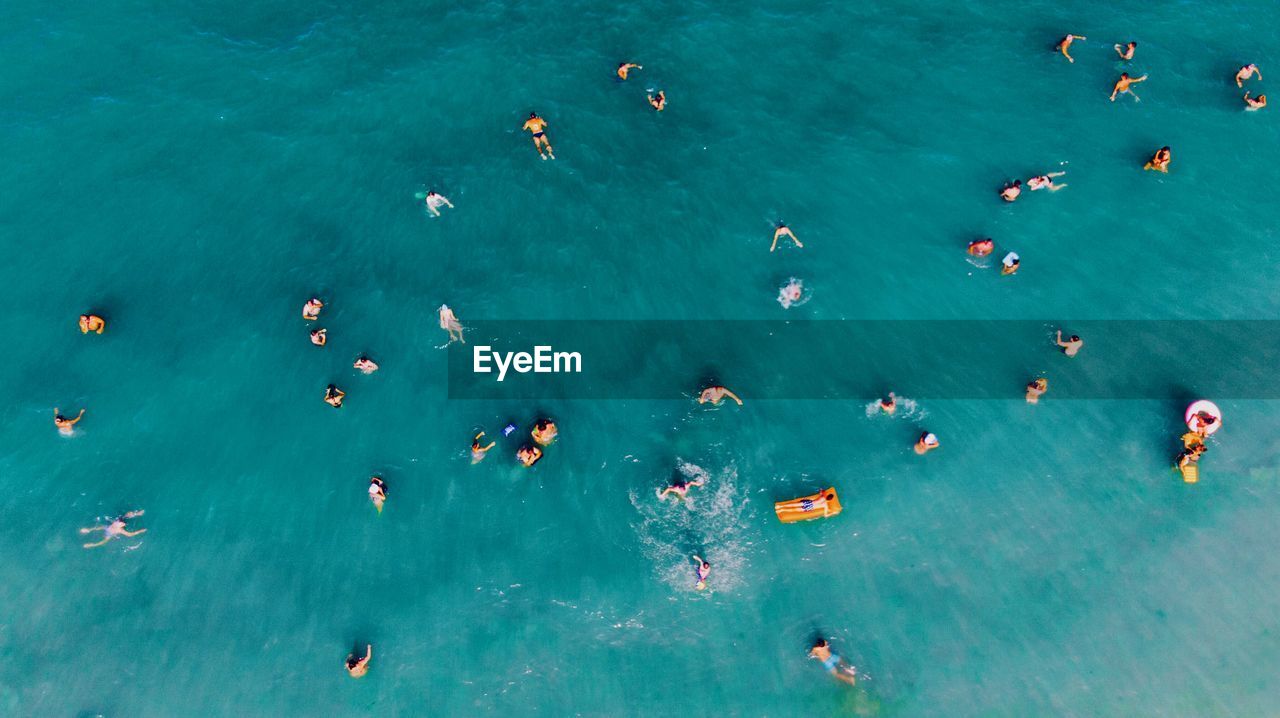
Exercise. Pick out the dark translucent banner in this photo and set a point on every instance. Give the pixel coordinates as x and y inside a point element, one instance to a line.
<point>861,360</point>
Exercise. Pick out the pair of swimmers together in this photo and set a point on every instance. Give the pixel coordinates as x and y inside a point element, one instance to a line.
<point>1012,190</point>
<point>983,247</point>
<point>927,441</point>
<point>1124,51</point>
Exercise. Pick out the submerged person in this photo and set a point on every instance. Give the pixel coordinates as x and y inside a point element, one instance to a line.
<point>889,405</point>
<point>365,365</point>
<point>114,529</point>
<point>449,323</point>
<point>1122,86</point>
<point>1246,72</point>
<point>319,336</point>
<point>927,442</point>
<point>701,572</point>
<point>311,310</point>
<point>623,67</point>
<point>1045,181</point>
<point>1011,190</point>
<point>1071,346</point>
<point>544,432</point>
<point>1009,265</point>
<point>834,664</point>
<point>981,247</point>
<point>538,127</point>
<point>1251,103</point>
<point>96,324</point>
<point>680,487</point>
<point>478,451</point>
<point>1126,52</point>
<point>333,396</point>
<point>528,455</point>
<point>1065,44</point>
<point>1160,160</point>
<point>377,492</point>
<point>1036,389</point>
<point>790,293</point>
<point>435,201</point>
<point>357,666</point>
<point>783,230</point>
<point>716,394</point>
<point>65,425</point>
<point>659,101</point>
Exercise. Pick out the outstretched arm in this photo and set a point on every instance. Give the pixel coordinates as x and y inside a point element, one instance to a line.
<point>131,534</point>
<point>733,396</point>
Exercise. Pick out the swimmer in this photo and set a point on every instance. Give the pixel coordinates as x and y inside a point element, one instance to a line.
<point>1159,161</point>
<point>319,336</point>
<point>889,405</point>
<point>1071,346</point>
<point>701,572</point>
<point>680,487</point>
<point>926,443</point>
<point>659,101</point>
<point>365,365</point>
<point>63,423</point>
<point>783,230</point>
<point>333,396</point>
<point>623,67</point>
<point>1009,265</point>
<point>1036,389</point>
<point>94,323</point>
<point>114,530</point>
<point>311,310</point>
<point>434,202</point>
<point>478,451</point>
<point>377,492</point>
<point>1192,439</point>
<point>528,455</point>
<point>1126,51</point>
<point>358,666</point>
<point>1252,104</point>
<point>834,664</point>
<point>544,432</point>
<point>449,323</point>
<point>538,126</point>
<point>981,247</point>
<point>1191,455</point>
<point>1065,43</point>
<point>1045,181</point>
<point>716,394</point>
<point>790,294</point>
<point>1011,190</point>
<point>1122,86</point>
<point>1246,72</point>
<point>1202,421</point>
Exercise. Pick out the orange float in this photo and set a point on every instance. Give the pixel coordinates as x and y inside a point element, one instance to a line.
<point>817,506</point>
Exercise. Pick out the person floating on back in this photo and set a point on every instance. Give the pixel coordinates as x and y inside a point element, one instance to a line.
<point>449,323</point>
<point>1065,43</point>
<point>1071,346</point>
<point>435,201</point>
<point>357,666</point>
<point>659,101</point>
<point>783,230</point>
<point>1246,72</point>
<point>94,323</point>
<point>1126,51</point>
<point>365,365</point>
<point>114,530</point>
<point>834,664</point>
<point>538,126</point>
<point>1045,181</point>
<point>716,394</point>
<point>623,67</point>
<point>1159,161</point>
<point>1122,86</point>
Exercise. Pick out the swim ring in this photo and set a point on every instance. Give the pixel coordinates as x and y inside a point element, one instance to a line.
<point>1196,423</point>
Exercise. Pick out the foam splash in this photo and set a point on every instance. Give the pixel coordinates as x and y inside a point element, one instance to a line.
<point>792,294</point>
<point>907,409</point>
<point>714,526</point>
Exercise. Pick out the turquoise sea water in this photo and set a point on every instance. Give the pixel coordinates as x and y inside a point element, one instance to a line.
<point>195,171</point>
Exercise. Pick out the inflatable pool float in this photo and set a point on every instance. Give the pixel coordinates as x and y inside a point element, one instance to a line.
<point>1195,421</point>
<point>1191,473</point>
<point>818,506</point>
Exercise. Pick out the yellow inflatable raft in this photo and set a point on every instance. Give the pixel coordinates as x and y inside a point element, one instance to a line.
<point>817,506</point>
<point>1191,473</point>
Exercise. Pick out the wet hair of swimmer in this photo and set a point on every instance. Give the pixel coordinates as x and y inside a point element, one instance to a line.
<point>820,643</point>
<point>532,115</point>
<point>1075,338</point>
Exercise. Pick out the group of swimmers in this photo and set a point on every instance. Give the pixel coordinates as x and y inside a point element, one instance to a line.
<point>543,433</point>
